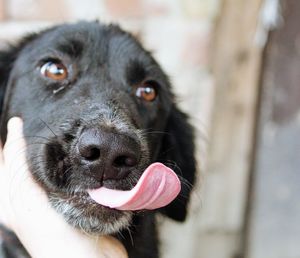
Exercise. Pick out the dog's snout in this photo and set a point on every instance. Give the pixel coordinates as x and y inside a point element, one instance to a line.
<point>108,155</point>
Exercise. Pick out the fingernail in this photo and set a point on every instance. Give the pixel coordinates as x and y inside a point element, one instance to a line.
<point>14,123</point>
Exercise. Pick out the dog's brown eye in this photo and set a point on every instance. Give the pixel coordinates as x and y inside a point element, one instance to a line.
<point>54,70</point>
<point>146,92</point>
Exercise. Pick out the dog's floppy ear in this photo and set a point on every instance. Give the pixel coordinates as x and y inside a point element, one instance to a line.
<point>7,59</point>
<point>178,152</point>
<point>6,62</point>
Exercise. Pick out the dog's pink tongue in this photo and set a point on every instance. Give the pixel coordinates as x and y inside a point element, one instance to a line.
<point>157,187</point>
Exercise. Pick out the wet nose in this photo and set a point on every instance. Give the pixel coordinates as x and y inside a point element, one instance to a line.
<point>108,155</point>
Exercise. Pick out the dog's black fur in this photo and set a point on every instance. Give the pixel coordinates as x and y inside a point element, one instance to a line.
<point>96,102</point>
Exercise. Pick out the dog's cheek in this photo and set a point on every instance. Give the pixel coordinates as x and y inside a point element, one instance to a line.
<point>36,163</point>
<point>55,165</point>
<point>153,141</point>
<point>45,161</point>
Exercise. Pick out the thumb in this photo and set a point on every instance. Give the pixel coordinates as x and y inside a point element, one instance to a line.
<point>14,140</point>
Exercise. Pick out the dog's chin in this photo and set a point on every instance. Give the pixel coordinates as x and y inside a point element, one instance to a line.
<point>83,213</point>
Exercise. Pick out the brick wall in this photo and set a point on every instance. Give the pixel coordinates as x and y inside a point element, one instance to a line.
<point>178,32</point>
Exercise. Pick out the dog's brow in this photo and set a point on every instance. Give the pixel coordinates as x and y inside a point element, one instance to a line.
<point>135,72</point>
<point>72,48</point>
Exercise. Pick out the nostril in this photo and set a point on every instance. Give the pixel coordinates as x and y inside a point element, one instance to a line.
<point>108,155</point>
<point>90,153</point>
<point>124,161</point>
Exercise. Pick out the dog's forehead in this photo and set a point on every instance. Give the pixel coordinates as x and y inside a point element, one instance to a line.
<point>96,55</point>
<point>93,44</point>
<point>88,39</point>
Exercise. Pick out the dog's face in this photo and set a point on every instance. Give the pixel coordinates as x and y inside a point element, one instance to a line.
<point>97,110</point>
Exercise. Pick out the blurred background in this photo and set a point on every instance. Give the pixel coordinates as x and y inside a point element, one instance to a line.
<point>235,65</point>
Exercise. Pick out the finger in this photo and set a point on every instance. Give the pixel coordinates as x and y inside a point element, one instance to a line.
<point>15,143</point>
<point>14,128</point>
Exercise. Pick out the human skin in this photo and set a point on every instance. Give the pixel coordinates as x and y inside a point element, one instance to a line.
<point>25,210</point>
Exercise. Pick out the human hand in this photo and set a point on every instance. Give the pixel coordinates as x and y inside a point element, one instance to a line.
<point>24,208</point>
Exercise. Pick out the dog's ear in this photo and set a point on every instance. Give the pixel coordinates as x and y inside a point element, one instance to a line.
<point>178,152</point>
<point>7,58</point>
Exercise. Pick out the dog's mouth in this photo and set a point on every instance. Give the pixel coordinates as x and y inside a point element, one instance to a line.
<point>105,210</point>
<point>157,187</point>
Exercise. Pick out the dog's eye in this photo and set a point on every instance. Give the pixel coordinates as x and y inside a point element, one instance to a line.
<point>147,91</point>
<point>54,70</point>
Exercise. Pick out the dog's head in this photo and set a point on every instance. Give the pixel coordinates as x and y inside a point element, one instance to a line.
<point>97,110</point>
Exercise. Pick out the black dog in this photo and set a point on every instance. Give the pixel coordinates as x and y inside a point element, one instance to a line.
<point>97,110</point>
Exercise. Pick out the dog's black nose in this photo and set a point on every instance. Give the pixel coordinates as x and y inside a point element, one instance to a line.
<point>108,155</point>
